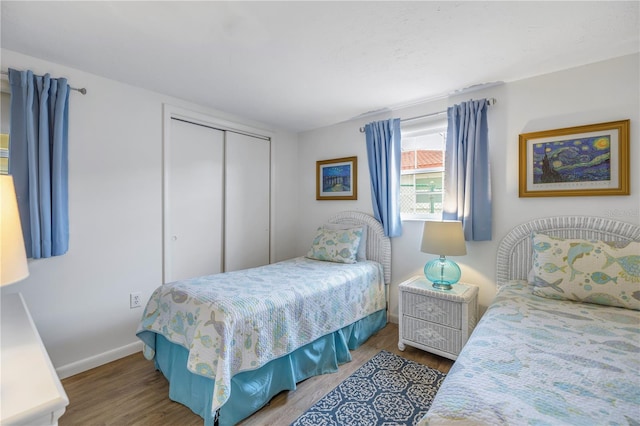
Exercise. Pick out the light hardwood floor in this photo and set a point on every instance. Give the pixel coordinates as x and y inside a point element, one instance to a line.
<point>130,391</point>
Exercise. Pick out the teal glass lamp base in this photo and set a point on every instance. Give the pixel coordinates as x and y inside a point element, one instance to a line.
<point>443,273</point>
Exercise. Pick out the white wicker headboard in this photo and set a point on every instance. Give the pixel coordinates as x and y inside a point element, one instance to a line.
<point>515,253</point>
<point>378,246</point>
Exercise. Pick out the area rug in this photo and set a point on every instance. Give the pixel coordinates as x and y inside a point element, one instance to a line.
<point>387,390</point>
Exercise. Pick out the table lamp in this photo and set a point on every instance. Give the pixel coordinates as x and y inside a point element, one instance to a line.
<point>444,238</point>
<point>13,258</point>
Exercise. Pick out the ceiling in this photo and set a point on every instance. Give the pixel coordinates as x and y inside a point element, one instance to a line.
<point>303,65</point>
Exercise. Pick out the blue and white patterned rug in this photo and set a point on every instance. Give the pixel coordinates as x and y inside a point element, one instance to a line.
<point>387,390</point>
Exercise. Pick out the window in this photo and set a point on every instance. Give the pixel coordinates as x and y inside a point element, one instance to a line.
<point>422,170</point>
<point>4,131</point>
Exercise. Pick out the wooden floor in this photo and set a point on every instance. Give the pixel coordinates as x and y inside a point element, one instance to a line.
<point>131,392</point>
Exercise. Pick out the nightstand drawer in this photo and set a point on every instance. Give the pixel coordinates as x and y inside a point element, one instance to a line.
<point>435,336</point>
<point>431,309</point>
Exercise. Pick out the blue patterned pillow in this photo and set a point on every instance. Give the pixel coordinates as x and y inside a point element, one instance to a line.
<point>362,247</point>
<point>587,271</point>
<point>336,245</point>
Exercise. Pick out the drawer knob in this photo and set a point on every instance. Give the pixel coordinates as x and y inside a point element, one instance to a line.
<point>428,309</point>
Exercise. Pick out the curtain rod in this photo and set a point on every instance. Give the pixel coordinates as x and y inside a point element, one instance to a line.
<point>81,90</point>
<point>490,101</point>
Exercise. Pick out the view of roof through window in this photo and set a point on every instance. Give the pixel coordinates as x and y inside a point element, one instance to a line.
<point>421,180</point>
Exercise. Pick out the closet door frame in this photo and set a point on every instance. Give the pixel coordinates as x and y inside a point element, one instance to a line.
<point>175,112</point>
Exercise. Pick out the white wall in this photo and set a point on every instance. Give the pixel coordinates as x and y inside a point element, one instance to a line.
<point>600,92</point>
<point>80,301</point>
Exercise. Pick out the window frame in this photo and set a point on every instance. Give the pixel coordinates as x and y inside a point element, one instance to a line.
<point>5,118</point>
<point>430,127</point>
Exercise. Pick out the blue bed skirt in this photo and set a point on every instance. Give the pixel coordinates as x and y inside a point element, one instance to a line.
<point>251,390</point>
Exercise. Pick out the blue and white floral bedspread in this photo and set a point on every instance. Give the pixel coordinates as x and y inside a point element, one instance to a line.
<point>537,361</point>
<point>239,321</point>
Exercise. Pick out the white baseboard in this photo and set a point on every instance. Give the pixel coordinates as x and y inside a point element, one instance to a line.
<point>98,360</point>
<point>393,318</point>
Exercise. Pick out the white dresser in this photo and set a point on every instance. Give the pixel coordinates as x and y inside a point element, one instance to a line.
<point>31,392</point>
<point>437,321</point>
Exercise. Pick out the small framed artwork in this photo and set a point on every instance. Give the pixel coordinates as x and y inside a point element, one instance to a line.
<point>337,179</point>
<point>575,161</point>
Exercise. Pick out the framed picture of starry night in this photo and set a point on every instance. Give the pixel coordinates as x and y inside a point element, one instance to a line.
<point>337,179</point>
<point>575,161</point>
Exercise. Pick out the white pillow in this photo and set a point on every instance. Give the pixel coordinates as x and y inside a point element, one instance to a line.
<point>362,248</point>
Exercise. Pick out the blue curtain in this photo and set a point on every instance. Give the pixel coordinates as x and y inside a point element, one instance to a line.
<point>467,181</point>
<point>384,152</point>
<point>38,160</point>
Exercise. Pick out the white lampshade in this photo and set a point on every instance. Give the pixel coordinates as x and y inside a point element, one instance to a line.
<point>13,258</point>
<point>443,238</point>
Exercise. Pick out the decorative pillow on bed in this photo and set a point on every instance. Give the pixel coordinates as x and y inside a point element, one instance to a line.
<point>336,245</point>
<point>362,247</point>
<point>587,271</point>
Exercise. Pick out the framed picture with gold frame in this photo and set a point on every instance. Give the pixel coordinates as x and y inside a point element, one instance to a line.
<point>337,179</point>
<point>575,161</point>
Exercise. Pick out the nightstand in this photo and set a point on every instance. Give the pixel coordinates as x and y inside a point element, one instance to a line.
<point>437,321</point>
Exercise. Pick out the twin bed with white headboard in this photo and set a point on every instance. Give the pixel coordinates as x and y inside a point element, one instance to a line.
<point>560,344</point>
<point>227,343</point>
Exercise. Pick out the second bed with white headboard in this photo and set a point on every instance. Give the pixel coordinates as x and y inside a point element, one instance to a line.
<point>560,344</point>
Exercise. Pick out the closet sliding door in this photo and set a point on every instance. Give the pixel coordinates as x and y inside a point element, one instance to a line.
<point>216,199</point>
<point>247,205</point>
<point>194,190</point>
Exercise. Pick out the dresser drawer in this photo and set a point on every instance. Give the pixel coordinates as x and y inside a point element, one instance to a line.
<point>440,311</point>
<point>435,336</point>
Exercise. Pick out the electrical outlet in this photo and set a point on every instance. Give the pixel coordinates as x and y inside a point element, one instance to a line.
<point>135,300</point>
